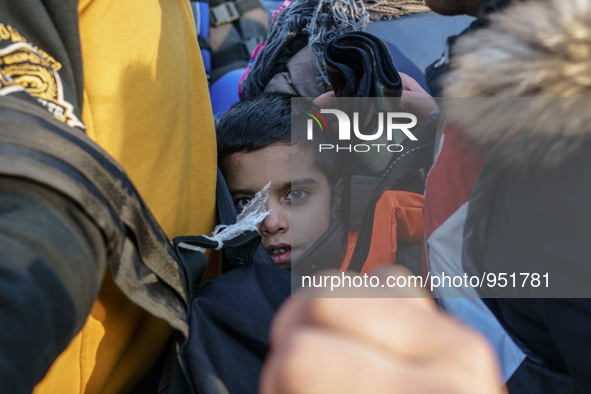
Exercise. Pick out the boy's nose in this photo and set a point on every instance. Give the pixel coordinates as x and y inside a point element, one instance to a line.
<point>276,222</point>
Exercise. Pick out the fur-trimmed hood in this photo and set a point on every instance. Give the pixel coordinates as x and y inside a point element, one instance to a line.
<point>526,81</point>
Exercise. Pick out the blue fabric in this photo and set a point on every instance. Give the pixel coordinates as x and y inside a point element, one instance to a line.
<point>203,20</point>
<point>201,11</point>
<point>416,41</point>
<point>224,92</point>
<point>206,56</point>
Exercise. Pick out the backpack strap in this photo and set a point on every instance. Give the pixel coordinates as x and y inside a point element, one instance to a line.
<point>415,155</point>
<point>237,27</point>
<point>230,11</point>
<point>239,51</point>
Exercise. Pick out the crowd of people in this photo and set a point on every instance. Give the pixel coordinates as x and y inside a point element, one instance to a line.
<point>108,152</point>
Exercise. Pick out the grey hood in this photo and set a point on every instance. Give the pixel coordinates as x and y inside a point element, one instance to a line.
<point>526,83</point>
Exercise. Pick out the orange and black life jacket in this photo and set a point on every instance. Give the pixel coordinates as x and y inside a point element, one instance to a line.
<point>398,221</point>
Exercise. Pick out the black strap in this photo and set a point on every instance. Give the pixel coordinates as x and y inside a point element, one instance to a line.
<point>226,210</point>
<point>240,51</point>
<point>142,262</point>
<point>234,53</point>
<point>203,43</point>
<point>415,155</point>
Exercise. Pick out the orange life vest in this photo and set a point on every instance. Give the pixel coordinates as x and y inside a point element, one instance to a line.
<point>398,216</point>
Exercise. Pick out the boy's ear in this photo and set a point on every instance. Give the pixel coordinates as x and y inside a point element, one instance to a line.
<point>336,196</point>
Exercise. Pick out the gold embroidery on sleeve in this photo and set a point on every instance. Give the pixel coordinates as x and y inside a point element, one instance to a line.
<point>25,66</point>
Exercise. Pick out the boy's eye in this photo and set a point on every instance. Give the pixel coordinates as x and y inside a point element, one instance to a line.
<point>295,194</point>
<point>241,203</point>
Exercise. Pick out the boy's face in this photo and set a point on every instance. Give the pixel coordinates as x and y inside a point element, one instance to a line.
<point>300,198</point>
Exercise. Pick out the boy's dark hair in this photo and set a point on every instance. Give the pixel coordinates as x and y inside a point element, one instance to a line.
<point>254,123</point>
<point>266,119</point>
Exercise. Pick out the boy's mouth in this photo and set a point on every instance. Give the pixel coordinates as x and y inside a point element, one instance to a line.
<point>280,254</point>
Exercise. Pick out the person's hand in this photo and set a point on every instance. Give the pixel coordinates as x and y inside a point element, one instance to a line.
<point>326,100</point>
<point>411,88</point>
<point>416,100</point>
<point>375,345</point>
